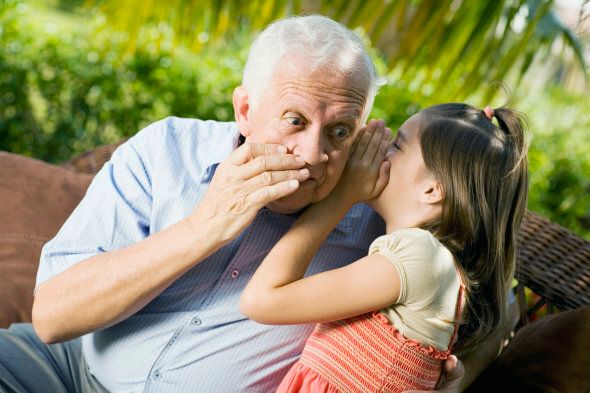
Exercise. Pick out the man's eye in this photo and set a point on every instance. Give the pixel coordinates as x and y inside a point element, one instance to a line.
<point>295,121</point>
<point>341,132</point>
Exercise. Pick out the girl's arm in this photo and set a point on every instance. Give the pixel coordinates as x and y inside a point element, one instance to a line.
<point>278,293</point>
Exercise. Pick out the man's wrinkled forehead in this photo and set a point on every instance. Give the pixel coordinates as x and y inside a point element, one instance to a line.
<point>323,87</point>
<point>323,90</point>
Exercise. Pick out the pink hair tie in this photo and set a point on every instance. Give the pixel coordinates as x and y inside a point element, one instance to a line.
<point>489,112</point>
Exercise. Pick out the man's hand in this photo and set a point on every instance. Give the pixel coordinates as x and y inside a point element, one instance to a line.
<point>251,177</point>
<point>366,173</point>
<point>452,377</point>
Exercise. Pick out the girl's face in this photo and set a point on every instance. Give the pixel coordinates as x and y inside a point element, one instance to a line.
<point>402,198</point>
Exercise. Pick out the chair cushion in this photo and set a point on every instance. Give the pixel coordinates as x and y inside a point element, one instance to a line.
<point>35,200</point>
<point>549,355</point>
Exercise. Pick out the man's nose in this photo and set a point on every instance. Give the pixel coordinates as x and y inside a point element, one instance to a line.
<point>312,146</point>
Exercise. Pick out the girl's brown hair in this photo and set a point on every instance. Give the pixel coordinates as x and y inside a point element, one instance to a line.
<point>483,171</point>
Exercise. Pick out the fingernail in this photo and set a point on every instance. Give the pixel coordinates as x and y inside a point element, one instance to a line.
<point>299,158</point>
<point>304,172</point>
<point>293,183</point>
<point>281,149</point>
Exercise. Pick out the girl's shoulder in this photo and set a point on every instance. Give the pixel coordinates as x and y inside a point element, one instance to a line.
<point>411,239</point>
<point>413,249</point>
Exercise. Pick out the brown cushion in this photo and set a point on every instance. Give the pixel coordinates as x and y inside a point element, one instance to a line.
<point>35,200</point>
<point>549,355</point>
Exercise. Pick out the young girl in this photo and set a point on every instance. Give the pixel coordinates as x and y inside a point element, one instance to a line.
<point>453,205</point>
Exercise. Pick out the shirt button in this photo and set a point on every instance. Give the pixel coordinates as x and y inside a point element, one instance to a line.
<point>196,321</point>
<point>235,273</point>
<point>157,375</point>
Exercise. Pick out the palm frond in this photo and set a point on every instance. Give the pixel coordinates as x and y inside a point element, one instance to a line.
<point>453,46</point>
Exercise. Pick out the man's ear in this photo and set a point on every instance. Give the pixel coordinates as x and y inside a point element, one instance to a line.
<point>242,109</point>
<point>431,192</point>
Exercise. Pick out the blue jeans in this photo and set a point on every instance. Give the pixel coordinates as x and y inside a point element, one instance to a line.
<point>27,365</point>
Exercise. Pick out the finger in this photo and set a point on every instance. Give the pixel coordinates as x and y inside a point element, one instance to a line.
<point>363,140</point>
<point>375,145</point>
<point>279,162</point>
<point>383,178</point>
<point>371,141</point>
<point>356,141</point>
<point>382,152</point>
<point>266,195</point>
<point>270,178</point>
<point>450,364</point>
<point>249,150</point>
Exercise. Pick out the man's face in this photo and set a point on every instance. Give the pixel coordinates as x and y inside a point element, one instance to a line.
<point>316,116</point>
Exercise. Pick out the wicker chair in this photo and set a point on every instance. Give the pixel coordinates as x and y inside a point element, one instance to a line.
<point>91,162</point>
<point>552,261</point>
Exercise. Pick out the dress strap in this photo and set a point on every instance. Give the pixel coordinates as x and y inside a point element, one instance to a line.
<point>458,312</point>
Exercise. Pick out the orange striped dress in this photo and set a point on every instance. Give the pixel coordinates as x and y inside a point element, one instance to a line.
<point>365,354</point>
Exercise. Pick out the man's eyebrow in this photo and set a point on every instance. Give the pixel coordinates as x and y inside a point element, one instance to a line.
<point>347,118</point>
<point>350,115</point>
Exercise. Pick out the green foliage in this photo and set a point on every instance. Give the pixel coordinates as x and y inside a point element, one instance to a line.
<point>64,92</point>
<point>452,47</point>
<point>558,157</point>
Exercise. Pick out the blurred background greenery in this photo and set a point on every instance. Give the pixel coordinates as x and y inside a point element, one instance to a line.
<point>75,74</point>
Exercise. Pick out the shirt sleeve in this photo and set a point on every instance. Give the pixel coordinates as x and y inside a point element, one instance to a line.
<point>114,213</point>
<point>424,265</point>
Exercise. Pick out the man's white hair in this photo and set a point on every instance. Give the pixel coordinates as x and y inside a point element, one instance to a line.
<point>320,42</point>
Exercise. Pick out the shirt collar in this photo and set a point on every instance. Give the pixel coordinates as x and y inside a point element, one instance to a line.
<point>222,151</point>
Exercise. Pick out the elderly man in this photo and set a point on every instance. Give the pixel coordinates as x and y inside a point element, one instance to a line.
<point>149,268</point>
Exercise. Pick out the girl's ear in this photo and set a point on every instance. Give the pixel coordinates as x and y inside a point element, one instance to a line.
<point>242,110</point>
<point>432,192</point>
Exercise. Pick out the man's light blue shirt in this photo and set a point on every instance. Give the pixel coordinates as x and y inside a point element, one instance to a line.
<point>192,337</point>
